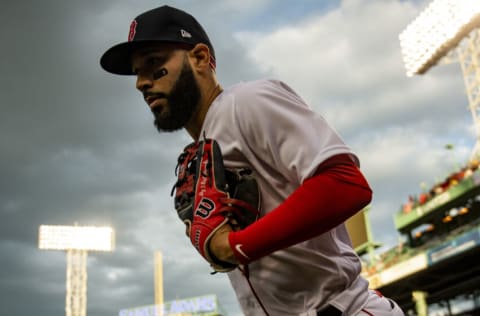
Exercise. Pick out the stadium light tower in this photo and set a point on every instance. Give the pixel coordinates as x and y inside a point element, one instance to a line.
<point>447,28</point>
<point>76,241</point>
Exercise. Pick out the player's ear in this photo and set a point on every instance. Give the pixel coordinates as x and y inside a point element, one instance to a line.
<point>200,56</point>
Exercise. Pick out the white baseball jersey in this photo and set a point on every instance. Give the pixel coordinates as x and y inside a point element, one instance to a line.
<point>265,126</point>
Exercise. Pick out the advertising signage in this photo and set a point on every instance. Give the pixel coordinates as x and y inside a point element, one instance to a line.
<point>467,241</point>
<point>202,305</point>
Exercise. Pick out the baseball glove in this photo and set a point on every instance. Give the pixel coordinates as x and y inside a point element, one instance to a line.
<point>207,196</point>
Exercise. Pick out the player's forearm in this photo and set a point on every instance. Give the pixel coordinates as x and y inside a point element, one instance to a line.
<point>320,204</point>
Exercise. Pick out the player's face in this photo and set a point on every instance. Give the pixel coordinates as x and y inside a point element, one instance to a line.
<point>168,85</point>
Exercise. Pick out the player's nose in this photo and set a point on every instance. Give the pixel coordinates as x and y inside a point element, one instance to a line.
<point>143,83</point>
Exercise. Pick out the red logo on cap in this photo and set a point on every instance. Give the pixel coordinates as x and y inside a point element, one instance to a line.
<point>133,30</point>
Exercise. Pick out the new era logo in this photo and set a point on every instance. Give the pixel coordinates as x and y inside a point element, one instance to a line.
<point>185,34</point>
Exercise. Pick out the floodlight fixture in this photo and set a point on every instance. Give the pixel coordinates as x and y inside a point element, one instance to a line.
<point>447,30</point>
<point>438,29</point>
<point>76,241</point>
<point>57,237</point>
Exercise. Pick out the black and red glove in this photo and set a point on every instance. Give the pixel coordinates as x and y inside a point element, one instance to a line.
<point>209,197</point>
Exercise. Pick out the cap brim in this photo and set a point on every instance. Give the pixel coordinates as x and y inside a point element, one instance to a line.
<point>118,59</point>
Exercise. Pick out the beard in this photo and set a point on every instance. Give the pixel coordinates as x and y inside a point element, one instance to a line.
<point>182,102</point>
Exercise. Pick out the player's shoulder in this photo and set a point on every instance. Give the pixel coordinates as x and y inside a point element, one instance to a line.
<point>256,86</point>
<point>256,90</point>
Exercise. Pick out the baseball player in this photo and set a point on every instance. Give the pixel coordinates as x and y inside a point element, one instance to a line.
<point>292,255</point>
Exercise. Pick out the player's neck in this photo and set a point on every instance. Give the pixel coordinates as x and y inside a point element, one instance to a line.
<point>194,127</point>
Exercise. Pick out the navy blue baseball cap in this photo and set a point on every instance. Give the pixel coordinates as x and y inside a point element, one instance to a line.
<point>161,25</point>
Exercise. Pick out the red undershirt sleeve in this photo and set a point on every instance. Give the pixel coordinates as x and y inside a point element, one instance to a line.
<point>337,191</point>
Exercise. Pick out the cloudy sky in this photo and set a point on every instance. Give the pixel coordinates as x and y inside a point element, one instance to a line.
<point>78,144</point>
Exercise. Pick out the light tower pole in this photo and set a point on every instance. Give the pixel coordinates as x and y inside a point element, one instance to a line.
<point>76,241</point>
<point>447,28</point>
<point>469,57</point>
<point>158,275</point>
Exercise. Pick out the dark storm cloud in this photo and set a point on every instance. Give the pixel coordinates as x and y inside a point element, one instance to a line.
<point>69,133</point>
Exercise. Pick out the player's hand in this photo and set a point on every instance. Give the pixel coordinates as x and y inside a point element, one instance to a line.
<point>220,247</point>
